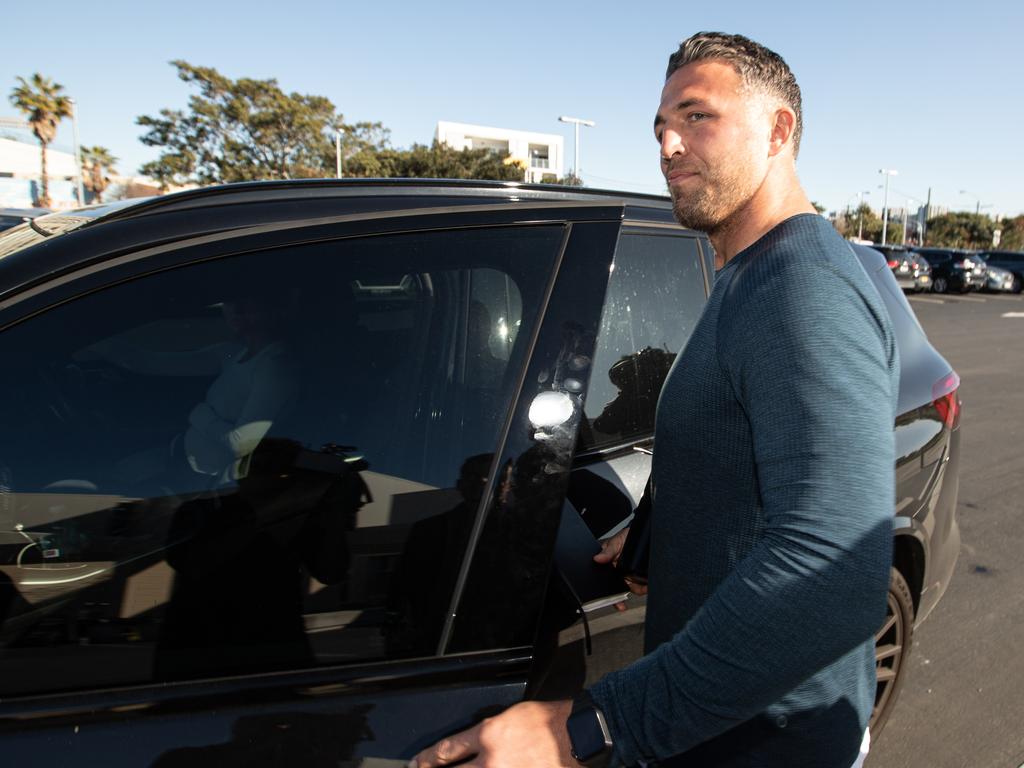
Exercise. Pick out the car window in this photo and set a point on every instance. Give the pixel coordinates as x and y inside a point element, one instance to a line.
<point>655,296</point>
<point>268,461</point>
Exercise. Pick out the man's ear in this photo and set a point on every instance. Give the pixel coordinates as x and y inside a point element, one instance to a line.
<point>783,125</point>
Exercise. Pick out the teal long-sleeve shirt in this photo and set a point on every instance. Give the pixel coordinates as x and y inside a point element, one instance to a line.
<point>773,485</point>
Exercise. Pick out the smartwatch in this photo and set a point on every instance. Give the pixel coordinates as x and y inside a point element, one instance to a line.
<point>588,733</point>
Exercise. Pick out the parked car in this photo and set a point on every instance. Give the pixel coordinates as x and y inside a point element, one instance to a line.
<point>12,217</point>
<point>954,269</point>
<point>441,395</point>
<point>1012,261</point>
<point>999,280</point>
<point>911,270</point>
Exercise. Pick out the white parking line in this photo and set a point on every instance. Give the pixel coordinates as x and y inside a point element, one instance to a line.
<point>1013,314</point>
<point>927,301</point>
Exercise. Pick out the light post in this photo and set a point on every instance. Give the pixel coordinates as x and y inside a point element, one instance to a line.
<point>78,153</point>
<point>887,172</point>
<point>576,142</point>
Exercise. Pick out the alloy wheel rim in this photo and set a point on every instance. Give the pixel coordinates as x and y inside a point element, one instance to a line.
<point>888,655</point>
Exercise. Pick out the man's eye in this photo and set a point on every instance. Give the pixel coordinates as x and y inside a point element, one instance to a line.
<point>695,117</point>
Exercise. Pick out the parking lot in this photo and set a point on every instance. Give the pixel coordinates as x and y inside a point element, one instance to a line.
<point>962,706</point>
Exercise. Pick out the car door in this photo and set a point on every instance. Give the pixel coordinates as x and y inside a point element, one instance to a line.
<point>288,499</point>
<point>656,293</point>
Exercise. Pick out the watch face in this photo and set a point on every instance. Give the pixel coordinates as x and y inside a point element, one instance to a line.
<point>588,735</point>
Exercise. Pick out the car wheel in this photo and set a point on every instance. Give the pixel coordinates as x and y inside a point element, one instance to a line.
<point>939,285</point>
<point>1017,284</point>
<point>892,647</point>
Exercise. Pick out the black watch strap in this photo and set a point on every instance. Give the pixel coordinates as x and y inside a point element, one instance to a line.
<point>583,701</point>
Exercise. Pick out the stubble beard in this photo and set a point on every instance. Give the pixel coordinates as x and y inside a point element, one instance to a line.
<point>710,208</point>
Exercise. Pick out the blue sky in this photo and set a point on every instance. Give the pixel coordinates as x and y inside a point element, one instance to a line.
<point>934,90</point>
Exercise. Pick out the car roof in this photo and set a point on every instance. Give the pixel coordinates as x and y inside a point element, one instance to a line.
<point>389,194</point>
<point>66,240</point>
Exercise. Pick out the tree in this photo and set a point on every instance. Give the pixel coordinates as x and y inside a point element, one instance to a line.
<point>43,102</point>
<point>818,206</point>
<point>863,222</point>
<point>436,161</point>
<point>960,230</point>
<point>97,162</point>
<point>569,180</point>
<point>246,129</point>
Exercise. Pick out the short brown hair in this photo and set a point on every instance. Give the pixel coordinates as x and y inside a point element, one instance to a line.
<point>756,65</point>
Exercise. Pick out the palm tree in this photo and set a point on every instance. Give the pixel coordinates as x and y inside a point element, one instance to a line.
<point>96,163</point>
<point>42,101</point>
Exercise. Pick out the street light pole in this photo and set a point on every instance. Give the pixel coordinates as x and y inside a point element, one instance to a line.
<point>887,172</point>
<point>78,153</point>
<point>576,142</point>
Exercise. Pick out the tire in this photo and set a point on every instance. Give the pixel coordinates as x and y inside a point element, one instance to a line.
<point>940,285</point>
<point>893,642</point>
<point>1017,284</point>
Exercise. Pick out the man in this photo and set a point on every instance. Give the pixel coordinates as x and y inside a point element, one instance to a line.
<point>773,475</point>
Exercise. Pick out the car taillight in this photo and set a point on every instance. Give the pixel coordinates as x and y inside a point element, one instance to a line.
<point>893,263</point>
<point>946,399</point>
<point>914,265</point>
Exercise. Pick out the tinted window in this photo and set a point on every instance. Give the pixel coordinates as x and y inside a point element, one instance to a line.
<point>253,463</point>
<point>655,296</point>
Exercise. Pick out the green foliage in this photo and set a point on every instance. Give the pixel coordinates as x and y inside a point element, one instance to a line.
<point>864,220</point>
<point>960,230</point>
<point>569,180</point>
<point>45,106</point>
<point>1012,234</point>
<point>436,161</point>
<point>818,206</point>
<point>245,129</point>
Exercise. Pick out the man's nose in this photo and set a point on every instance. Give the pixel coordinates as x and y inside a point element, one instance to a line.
<point>671,144</point>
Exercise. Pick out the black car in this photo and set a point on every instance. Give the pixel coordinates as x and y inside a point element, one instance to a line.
<point>954,269</point>
<point>1012,261</point>
<point>310,473</point>
<point>912,271</point>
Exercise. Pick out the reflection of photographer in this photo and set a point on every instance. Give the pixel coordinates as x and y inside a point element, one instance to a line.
<point>242,561</point>
<point>639,378</point>
<point>425,577</point>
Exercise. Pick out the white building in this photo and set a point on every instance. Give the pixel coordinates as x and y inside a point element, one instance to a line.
<point>541,153</point>
<point>19,174</point>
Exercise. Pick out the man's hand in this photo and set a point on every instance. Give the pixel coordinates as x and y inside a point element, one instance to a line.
<point>611,548</point>
<point>528,735</point>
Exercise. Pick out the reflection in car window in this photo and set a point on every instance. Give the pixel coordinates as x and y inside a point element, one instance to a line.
<point>255,463</point>
<point>655,296</point>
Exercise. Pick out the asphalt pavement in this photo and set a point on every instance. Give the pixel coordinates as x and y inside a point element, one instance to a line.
<point>963,702</point>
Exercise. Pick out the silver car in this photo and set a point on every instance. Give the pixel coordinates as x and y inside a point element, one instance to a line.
<point>999,279</point>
